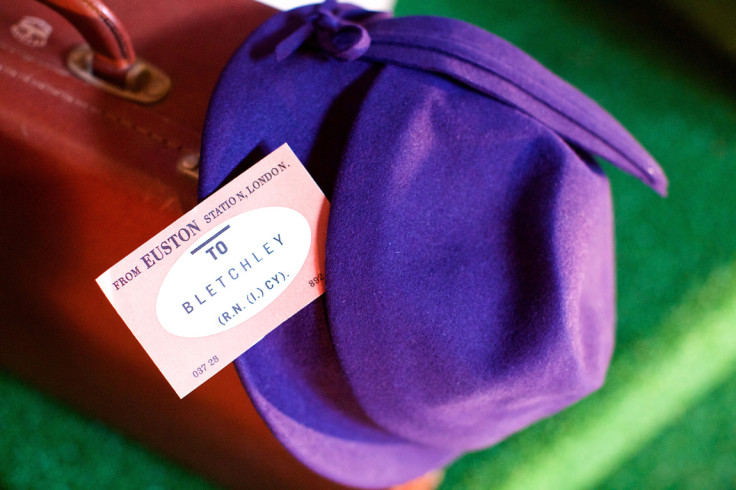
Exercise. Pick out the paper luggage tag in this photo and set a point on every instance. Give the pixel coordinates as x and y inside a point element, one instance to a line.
<point>221,277</point>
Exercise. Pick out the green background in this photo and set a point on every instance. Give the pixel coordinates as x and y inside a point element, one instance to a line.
<point>666,417</point>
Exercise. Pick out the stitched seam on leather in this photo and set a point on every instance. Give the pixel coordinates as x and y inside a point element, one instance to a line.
<point>43,64</point>
<point>110,25</point>
<point>32,59</point>
<point>70,99</point>
<point>28,58</point>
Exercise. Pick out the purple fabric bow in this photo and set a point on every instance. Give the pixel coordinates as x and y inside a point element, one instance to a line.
<point>335,33</point>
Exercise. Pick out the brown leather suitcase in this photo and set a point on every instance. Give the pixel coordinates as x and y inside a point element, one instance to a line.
<point>85,178</point>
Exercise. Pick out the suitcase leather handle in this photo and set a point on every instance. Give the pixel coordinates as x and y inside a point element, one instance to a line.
<point>108,60</point>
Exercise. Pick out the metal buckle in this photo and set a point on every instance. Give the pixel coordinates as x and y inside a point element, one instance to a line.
<point>146,84</point>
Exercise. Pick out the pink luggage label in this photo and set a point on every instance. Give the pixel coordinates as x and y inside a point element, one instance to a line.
<point>220,278</point>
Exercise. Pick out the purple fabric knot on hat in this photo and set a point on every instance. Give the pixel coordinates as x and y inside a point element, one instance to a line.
<point>469,257</point>
<point>335,33</point>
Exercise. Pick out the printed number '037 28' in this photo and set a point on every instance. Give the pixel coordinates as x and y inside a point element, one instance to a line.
<point>316,279</point>
<point>203,368</point>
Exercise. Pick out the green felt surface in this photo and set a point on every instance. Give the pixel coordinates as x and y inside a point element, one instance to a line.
<point>46,446</point>
<point>666,417</point>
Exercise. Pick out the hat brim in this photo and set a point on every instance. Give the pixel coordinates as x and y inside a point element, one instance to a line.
<point>297,385</point>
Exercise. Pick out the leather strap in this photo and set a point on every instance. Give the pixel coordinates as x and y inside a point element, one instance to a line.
<point>114,55</point>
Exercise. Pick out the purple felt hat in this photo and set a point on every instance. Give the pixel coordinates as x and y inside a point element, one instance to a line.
<point>470,280</point>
